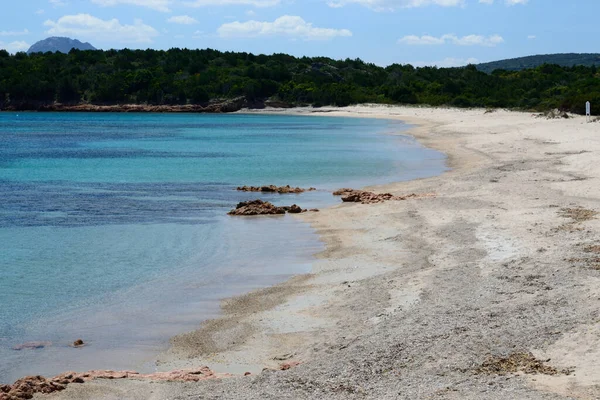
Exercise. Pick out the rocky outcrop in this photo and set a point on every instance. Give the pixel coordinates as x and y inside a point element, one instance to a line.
<point>274,189</point>
<point>364,197</point>
<point>256,207</point>
<point>27,387</point>
<point>259,207</point>
<point>343,191</point>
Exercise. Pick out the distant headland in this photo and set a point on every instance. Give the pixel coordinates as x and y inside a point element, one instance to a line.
<point>59,44</point>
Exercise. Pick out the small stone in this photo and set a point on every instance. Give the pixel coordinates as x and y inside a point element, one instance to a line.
<point>78,343</point>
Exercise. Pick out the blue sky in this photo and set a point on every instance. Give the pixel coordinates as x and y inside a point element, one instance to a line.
<point>420,32</point>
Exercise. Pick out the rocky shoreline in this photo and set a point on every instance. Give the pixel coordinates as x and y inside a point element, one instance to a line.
<point>275,189</point>
<point>216,106</point>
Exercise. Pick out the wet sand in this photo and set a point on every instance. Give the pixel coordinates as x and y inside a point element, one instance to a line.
<point>436,297</point>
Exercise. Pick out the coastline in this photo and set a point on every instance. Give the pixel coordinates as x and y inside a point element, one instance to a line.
<point>409,298</point>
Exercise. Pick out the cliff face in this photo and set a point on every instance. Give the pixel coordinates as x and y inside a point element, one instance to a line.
<point>59,44</point>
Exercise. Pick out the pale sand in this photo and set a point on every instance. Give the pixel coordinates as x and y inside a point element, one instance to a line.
<point>410,297</point>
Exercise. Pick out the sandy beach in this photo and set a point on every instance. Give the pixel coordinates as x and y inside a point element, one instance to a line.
<point>488,290</point>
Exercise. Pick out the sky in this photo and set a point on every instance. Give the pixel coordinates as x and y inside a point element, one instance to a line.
<point>419,32</point>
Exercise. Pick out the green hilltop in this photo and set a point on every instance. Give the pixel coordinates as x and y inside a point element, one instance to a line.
<point>521,63</point>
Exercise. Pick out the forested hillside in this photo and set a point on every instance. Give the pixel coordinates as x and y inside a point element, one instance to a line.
<point>564,60</point>
<point>178,77</point>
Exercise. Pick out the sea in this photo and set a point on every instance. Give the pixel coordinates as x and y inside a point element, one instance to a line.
<point>114,227</point>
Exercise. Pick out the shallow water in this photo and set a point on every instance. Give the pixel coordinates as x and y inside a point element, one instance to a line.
<point>113,226</point>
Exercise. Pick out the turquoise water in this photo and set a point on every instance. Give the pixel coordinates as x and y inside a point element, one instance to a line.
<point>113,226</point>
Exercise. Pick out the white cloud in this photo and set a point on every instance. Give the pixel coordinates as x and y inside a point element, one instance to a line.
<point>287,25</point>
<point>15,47</point>
<point>182,20</point>
<point>469,40</point>
<point>531,37</point>
<point>90,27</point>
<point>14,33</point>
<point>58,3</point>
<point>158,5</point>
<point>40,12</point>
<point>390,5</point>
<point>448,62</point>
<point>254,3</point>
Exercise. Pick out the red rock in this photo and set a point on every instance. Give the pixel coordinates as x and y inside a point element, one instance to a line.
<point>26,387</point>
<point>343,191</point>
<point>288,365</point>
<point>256,207</point>
<point>364,197</point>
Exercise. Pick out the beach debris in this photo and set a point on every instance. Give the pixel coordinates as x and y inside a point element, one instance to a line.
<point>78,343</point>
<point>364,197</point>
<point>523,362</point>
<point>260,207</point>
<point>554,114</point>
<point>283,357</point>
<point>275,189</point>
<point>247,373</point>
<point>32,346</point>
<point>578,214</point>
<point>27,387</point>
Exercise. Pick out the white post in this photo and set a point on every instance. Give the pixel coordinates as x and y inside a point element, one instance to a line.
<point>588,111</point>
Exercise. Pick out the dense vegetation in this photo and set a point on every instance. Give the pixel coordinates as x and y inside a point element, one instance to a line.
<point>197,76</point>
<point>564,60</point>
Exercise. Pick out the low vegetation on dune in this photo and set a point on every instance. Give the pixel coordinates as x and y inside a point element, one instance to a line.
<point>181,76</point>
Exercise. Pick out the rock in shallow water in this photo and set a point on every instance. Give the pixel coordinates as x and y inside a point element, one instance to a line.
<point>32,346</point>
<point>259,207</point>
<point>274,189</point>
<point>256,207</point>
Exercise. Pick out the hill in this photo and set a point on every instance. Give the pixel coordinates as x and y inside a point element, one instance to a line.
<point>186,78</point>
<point>59,44</point>
<point>521,63</point>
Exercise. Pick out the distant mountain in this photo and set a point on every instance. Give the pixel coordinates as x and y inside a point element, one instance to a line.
<point>60,44</point>
<point>565,60</point>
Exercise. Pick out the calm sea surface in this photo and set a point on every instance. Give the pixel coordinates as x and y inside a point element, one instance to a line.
<point>113,227</point>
